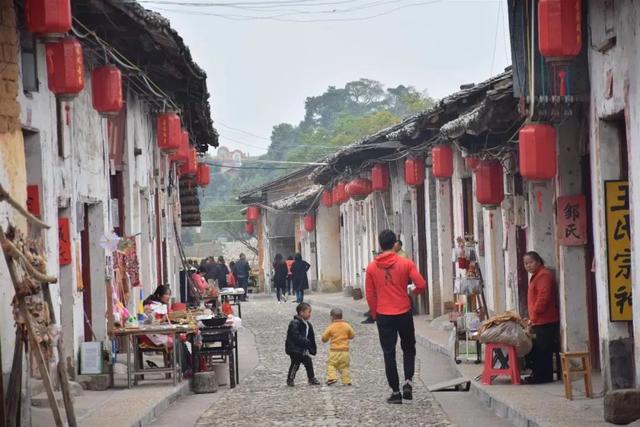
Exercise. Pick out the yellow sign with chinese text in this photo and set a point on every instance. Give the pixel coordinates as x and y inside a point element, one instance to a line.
<point>618,250</point>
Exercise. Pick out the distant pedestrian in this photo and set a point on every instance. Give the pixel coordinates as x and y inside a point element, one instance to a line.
<point>210,268</point>
<point>339,332</point>
<point>397,248</point>
<point>289,263</point>
<point>223,270</point>
<point>387,291</point>
<point>242,274</point>
<point>301,344</point>
<point>300,280</point>
<point>280,277</point>
<point>232,281</point>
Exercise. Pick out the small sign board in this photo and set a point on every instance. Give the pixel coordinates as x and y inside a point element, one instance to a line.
<point>572,220</point>
<point>91,358</point>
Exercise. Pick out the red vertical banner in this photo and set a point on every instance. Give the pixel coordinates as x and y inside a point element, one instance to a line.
<point>33,200</point>
<point>572,220</point>
<point>64,237</point>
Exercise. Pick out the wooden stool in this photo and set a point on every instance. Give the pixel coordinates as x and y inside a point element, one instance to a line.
<point>585,370</point>
<point>491,357</point>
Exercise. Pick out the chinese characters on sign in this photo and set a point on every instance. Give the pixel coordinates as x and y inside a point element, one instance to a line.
<point>572,220</point>
<point>618,249</point>
<point>64,237</point>
<point>33,200</point>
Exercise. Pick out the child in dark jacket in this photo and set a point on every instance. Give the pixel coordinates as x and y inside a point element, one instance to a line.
<point>301,344</point>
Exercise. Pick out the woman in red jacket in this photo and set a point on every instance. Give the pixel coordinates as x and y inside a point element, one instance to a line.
<point>544,317</point>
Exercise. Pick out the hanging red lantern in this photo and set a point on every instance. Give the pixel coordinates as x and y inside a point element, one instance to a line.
<point>182,155</point>
<point>537,147</point>
<point>489,183</point>
<point>442,160</point>
<point>169,133</point>
<point>190,167</point>
<point>249,228</point>
<point>472,162</point>
<point>309,223</point>
<point>340,193</point>
<point>48,19</point>
<point>253,213</point>
<point>359,188</point>
<point>106,90</point>
<point>65,68</point>
<point>327,198</point>
<point>380,178</point>
<point>560,28</point>
<point>414,171</point>
<point>203,176</point>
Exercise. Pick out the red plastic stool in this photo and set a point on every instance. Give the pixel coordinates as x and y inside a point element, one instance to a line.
<point>490,359</point>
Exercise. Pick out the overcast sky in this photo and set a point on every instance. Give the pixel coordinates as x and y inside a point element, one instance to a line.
<point>261,71</point>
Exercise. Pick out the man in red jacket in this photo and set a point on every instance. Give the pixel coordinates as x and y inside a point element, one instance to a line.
<point>388,292</point>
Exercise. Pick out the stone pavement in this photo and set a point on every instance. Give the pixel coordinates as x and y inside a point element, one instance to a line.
<point>263,398</point>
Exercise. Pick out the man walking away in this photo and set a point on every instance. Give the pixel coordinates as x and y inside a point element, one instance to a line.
<point>387,293</point>
<point>242,274</point>
<point>211,270</point>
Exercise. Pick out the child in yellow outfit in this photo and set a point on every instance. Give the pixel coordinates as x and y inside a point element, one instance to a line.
<point>339,332</point>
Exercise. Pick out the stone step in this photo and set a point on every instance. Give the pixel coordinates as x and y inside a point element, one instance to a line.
<point>42,401</point>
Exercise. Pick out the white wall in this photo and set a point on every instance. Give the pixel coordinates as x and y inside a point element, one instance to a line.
<point>328,247</point>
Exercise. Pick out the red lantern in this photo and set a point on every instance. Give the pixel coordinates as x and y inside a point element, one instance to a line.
<point>340,193</point>
<point>249,228</point>
<point>489,183</point>
<point>327,198</point>
<point>182,155</point>
<point>309,223</point>
<point>537,146</point>
<point>442,160</point>
<point>204,174</point>
<point>359,188</point>
<point>48,18</point>
<point>560,28</point>
<point>472,162</point>
<point>65,68</point>
<point>190,167</point>
<point>253,213</point>
<point>106,90</point>
<point>169,133</point>
<point>380,178</point>
<point>414,171</point>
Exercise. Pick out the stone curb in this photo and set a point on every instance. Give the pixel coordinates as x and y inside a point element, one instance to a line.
<point>501,408</point>
<point>162,405</point>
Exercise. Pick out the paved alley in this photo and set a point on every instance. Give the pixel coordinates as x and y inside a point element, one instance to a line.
<point>263,398</point>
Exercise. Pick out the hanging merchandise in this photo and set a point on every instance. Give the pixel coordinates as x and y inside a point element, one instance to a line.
<point>168,131</point>
<point>249,228</point>
<point>489,183</point>
<point>253,213</point>
<point>48,19</point>
<point>472,162</point>
<point>442,161</point>
<point>414,171</point>
<point>380,178</point>
<point>204,175</point>
<point>340,193</point>
<point>359,188</point>
<point>327,198</point>
<point>182,155</point>
<point>190,167</point>
<point>309,223</point>
<point>560,28</point>
<point>106,90</point>
<point>537,147</point>
<point>65,68</point>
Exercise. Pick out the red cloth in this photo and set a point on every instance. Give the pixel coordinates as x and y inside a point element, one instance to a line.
<point>289,263</point>
<point>542,300</point>
<point>231,280</point>
<point>199,281</point>
<point>388,276</point>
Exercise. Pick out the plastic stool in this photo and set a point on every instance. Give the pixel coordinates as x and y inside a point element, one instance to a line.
<point>489,362</point>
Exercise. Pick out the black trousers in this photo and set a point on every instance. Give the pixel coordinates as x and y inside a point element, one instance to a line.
<point>280,293</point>
<point>545,344</point>
<point>389,328</point>
<point>296,360</point>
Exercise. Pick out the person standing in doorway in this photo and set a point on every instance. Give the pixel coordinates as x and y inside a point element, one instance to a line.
<point>242,274</point>
<point>300,280</point>
<point>289,275</point>
<point>387,290</point>
<point>280,273</point>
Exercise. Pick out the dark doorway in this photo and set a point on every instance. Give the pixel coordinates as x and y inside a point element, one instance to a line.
<point>422,241</point>
<point>86,273</point>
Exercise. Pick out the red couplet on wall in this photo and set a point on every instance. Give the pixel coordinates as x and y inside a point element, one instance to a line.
<point>33,200</point>
<point>106,90</point>
<point>442,159</point>
<point>204,174</point>
<point>253,213</point>
<point>359,188</point>
<point>414,171</point>
<point>309,223</point>
<point>64,241</point>
<point>48,18</point>
<point>327,198</point>
<point>65,67</point>
<point>182,155</point>
<point>489,183</point>
<point>380,177</point>
<point>471,162</point>
<point>340,193</point>
<point>168,131</point>
<point>537,147</point>
<point>249,228</point>
<point>190,167</point>
<point>560,28</point>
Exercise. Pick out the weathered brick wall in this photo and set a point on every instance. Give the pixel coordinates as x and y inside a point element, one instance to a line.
<point>9,107</point>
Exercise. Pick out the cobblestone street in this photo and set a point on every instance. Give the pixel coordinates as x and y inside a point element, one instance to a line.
<point>263,398</point>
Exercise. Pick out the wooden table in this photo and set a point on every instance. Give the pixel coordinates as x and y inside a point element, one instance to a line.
<point>237,297</point>
<point>131,338</point>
